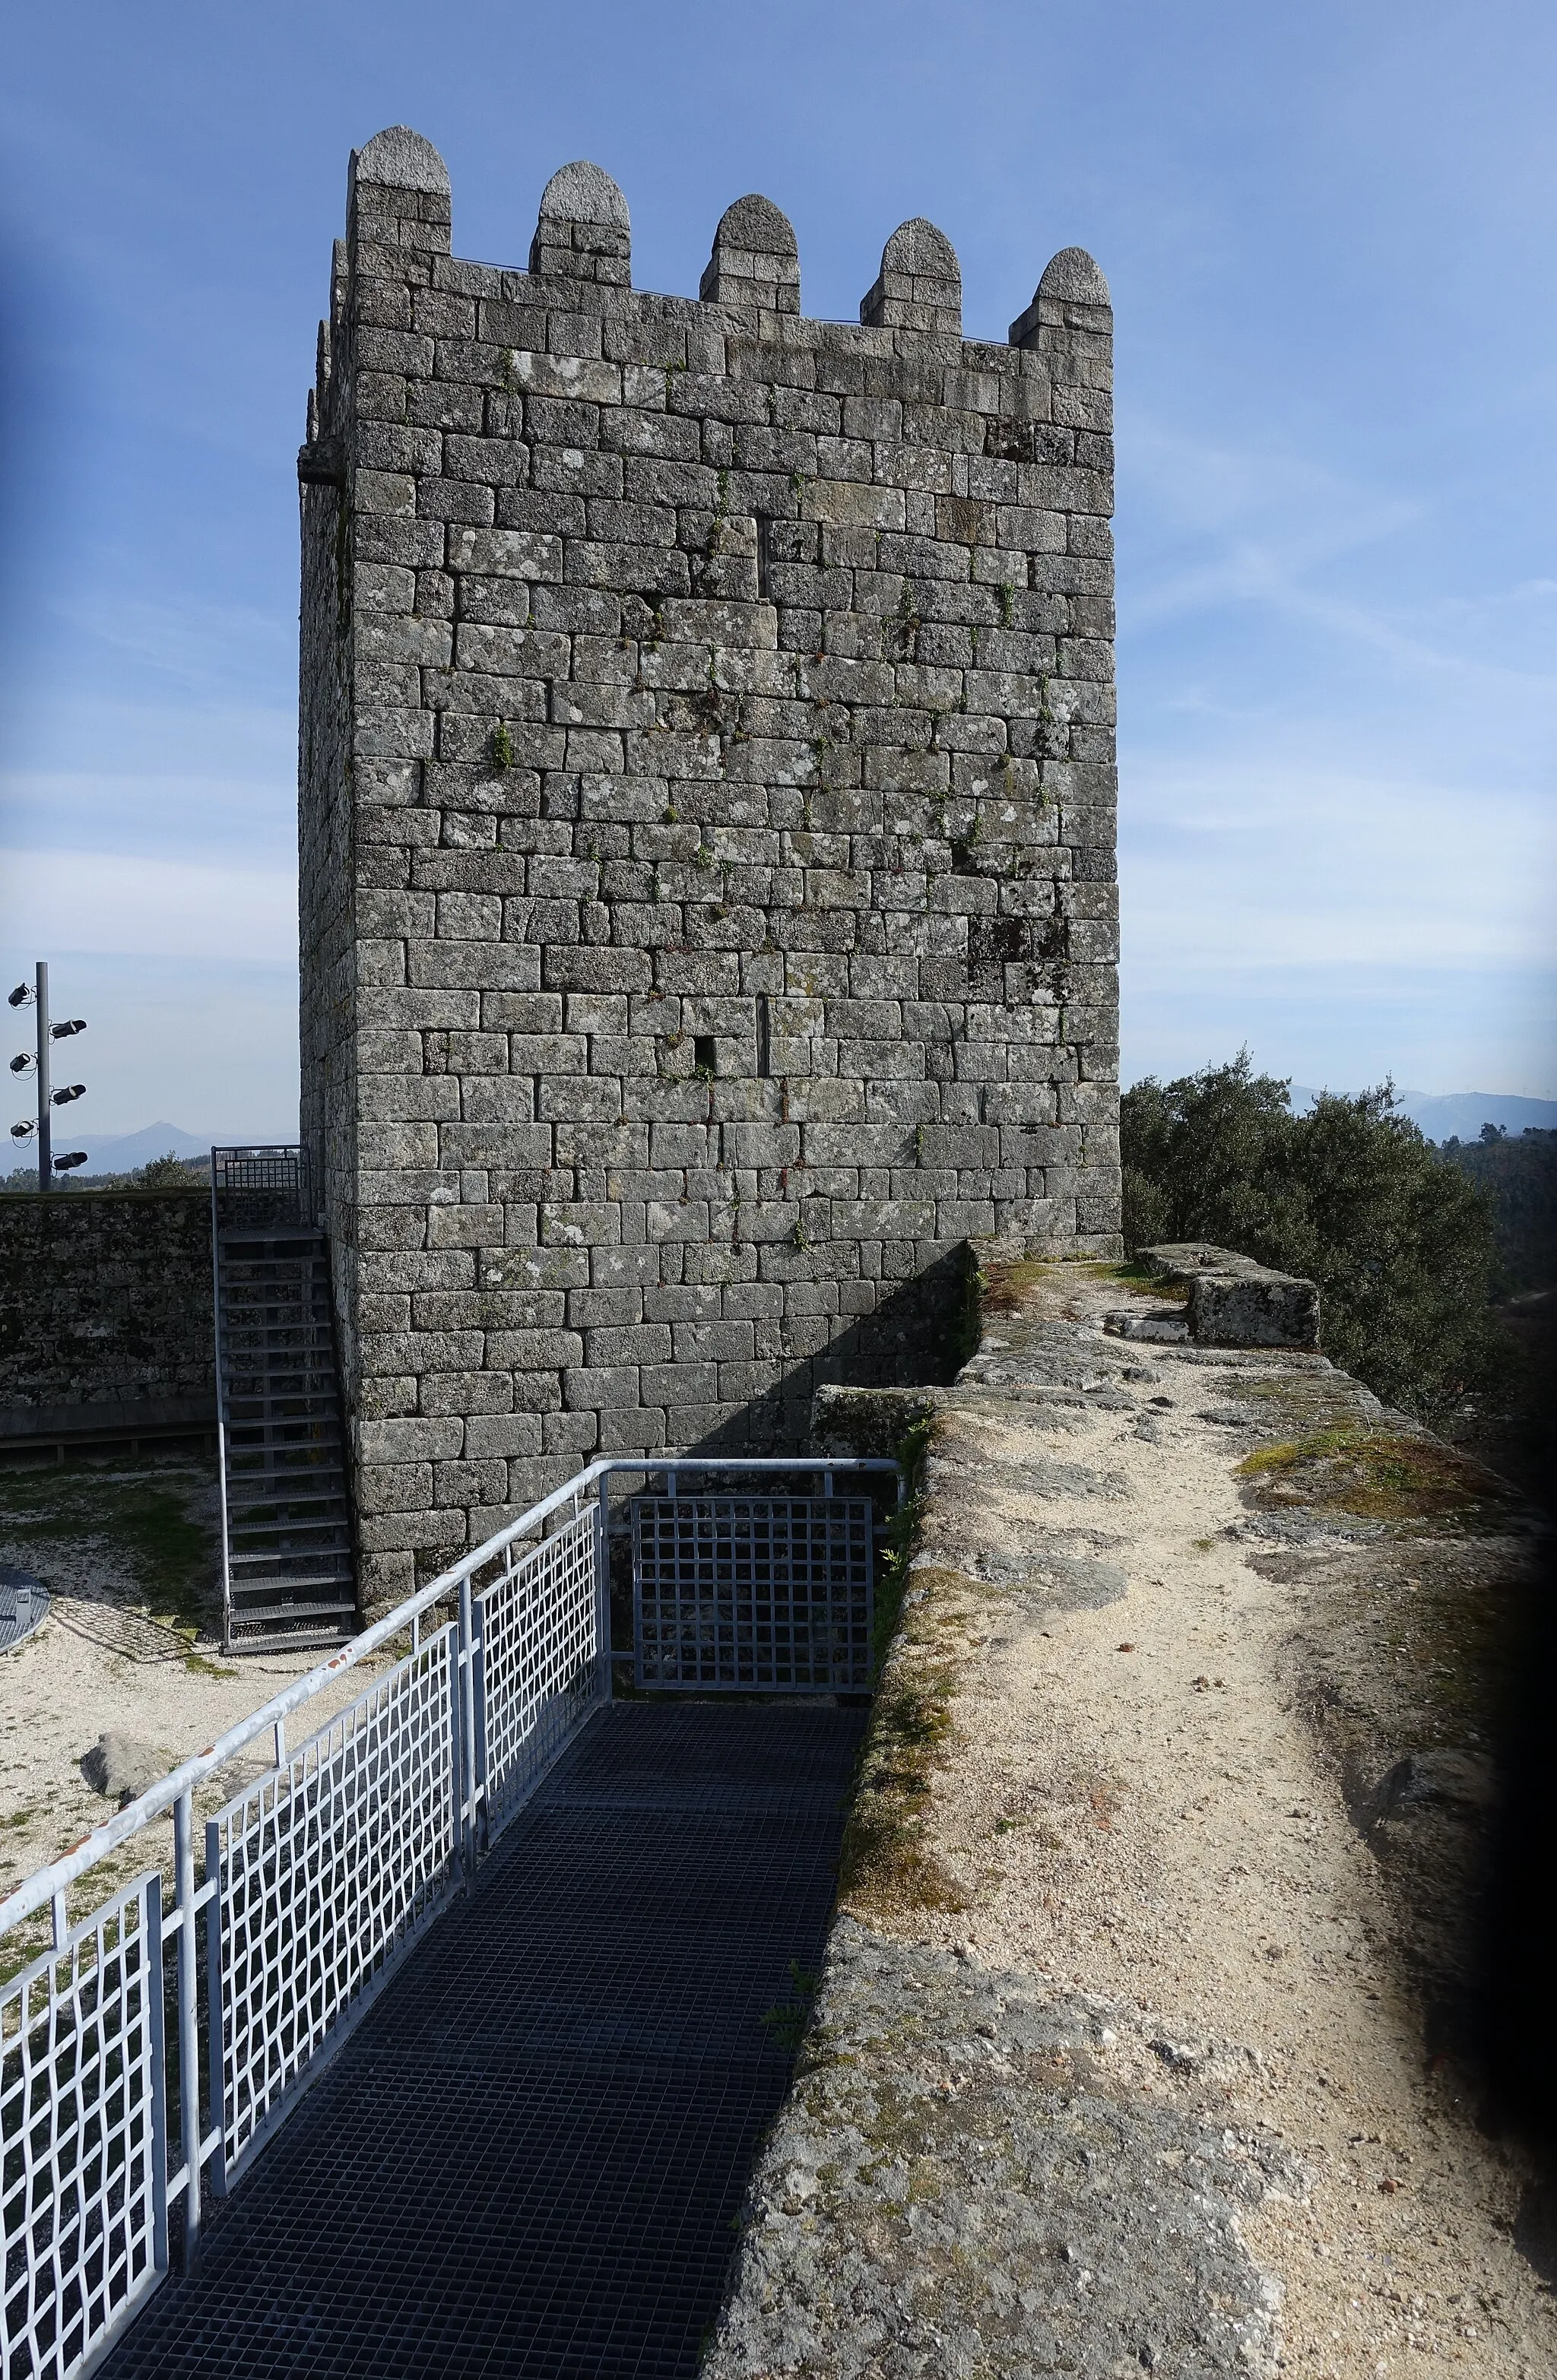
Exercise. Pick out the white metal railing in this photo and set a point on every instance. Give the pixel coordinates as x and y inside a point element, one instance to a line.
<point>316,1880</point>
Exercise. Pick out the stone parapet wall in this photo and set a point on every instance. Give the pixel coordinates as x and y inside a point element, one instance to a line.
<point>707,819</point>
<point>1145,2038</point>
<point>105,1299</point>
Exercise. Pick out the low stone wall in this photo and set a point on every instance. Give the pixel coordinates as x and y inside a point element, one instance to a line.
<point>106,1300</point>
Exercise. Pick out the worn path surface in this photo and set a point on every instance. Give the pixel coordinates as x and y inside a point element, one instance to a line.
<point>1138,2050</point>
<point>529,2157</point>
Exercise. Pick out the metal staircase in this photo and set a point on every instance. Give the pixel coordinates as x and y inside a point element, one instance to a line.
<point>288,1571</point>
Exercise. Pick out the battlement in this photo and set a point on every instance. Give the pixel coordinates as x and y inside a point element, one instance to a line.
<point>707,793</point>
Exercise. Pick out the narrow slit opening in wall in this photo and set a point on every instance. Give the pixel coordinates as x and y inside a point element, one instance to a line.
<point>764,1032</point>
<point>764,541</point>
<point>704,1053</point>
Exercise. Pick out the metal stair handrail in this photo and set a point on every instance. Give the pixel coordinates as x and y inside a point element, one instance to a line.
<point>258,1191</point>
<point>393,1804</point>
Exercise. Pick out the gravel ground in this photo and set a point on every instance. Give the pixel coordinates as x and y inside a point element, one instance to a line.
<point>130,1555</point>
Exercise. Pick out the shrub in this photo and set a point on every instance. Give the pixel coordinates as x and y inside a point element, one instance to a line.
<point>1520,1177</point>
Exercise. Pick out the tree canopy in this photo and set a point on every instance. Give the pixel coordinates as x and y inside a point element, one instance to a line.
<point>1351,1196</point>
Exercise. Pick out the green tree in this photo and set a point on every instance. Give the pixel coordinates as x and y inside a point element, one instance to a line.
<point>1519,1174</point>
<point>1351,1196</point>
<point>167,1172</point>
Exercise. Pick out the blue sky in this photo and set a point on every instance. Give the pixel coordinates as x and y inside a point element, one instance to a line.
<point>1329,231</point>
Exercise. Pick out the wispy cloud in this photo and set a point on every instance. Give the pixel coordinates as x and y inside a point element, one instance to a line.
<point>102,903</point>
<point>1272,530</point>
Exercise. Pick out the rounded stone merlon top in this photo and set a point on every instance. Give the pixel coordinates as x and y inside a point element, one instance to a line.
<point>402,159</point>
<point>1074,276</point>
<point>917,246</point>
<point>584,193</point>
<point>755,225</point>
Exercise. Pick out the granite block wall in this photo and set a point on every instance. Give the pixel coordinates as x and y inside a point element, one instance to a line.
<point>105,1299</point>
<point>707,832</point>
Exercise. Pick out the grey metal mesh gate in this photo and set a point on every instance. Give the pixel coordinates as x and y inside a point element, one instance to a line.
<point>753,1594</point>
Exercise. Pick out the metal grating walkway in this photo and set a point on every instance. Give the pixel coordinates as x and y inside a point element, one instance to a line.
<point>529,2156</point>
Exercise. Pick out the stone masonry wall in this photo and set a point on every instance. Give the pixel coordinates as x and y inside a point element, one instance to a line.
<point>708,785</point>
<point>104,1298</point>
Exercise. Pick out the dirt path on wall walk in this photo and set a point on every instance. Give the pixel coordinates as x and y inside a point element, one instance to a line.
<point>1134,1806</point>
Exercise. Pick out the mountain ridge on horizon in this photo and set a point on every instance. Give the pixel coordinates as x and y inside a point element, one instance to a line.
<point>122,1152</point>
<point>1451,1115</point>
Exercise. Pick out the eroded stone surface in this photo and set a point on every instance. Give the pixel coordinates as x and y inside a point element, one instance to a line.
<point>981,2172</point>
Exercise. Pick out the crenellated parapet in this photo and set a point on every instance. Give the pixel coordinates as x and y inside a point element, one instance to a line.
<point>756,263</point>
<point>919,284</point>
<point>706,831</point>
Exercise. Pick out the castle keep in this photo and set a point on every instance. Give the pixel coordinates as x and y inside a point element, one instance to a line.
<point>707,823</point>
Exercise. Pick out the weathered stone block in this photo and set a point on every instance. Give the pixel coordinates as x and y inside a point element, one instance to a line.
<point>1233,1301</point>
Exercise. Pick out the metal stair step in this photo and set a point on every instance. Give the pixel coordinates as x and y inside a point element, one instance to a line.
<point>290,1640</point>
<point>281,1606</point>
<point>254,1468</point>
<point>264,1581</point>
<point>311,1528</point>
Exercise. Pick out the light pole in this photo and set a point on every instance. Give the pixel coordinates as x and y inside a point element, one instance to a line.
<point>48,1098</point>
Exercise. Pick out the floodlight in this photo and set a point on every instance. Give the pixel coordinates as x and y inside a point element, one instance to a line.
<point>62,1032</point>
<point>71,1091</point>
<point>23,1062</point>
<point>20,998</point>
<point>23,1130</point>
<point>75,1157</point>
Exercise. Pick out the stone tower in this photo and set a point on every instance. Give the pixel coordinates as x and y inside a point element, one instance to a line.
<point>707,825</point>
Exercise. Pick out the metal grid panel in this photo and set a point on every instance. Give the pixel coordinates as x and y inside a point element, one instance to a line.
<point>85,2215</point>
<point>753,1593</point>
<point>528,2163</point>
<point>323,1870</point>
<point>275,1166</point>
<point>540,1639</point>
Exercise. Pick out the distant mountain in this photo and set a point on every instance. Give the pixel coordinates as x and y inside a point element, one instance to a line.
<point>1449,1115</point>
<point>1461,1114</point>
<point>119,1153</point>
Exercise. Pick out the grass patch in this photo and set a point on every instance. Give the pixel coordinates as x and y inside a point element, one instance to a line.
<point>1378,1474</point>
<point>786,2022</point>
<point>902,1530</point>
<point>886,1865</point>
<point>1002,1288</point>
<point>143,1516</point>
<point>1134,1274</point>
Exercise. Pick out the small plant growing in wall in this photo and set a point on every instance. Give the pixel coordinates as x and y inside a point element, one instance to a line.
<point>1007,604</point>
<point>799,1236</point>
<point>502,746</point>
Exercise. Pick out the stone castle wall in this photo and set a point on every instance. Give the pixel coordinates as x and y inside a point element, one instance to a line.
<point>707,801</point>
<point>105,1299</point>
